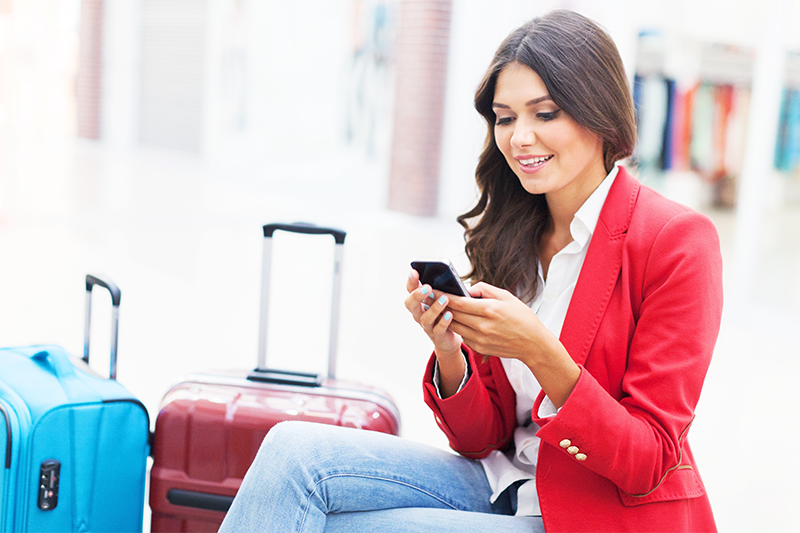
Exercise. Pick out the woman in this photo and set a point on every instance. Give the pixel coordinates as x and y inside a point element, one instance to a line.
<point>568,384</point>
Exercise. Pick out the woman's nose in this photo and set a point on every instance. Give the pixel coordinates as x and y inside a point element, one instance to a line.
<point>523,135</point>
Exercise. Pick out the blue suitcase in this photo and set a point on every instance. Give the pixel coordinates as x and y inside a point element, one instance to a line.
<point>73,444</point>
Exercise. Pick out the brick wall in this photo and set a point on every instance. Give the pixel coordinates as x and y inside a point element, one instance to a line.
<point>88,86</point>
<point>423,34</point>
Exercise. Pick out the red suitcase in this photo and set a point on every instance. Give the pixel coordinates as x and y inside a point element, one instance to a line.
<point>210,427</point>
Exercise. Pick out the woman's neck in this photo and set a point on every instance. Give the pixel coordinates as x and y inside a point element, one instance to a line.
<point>565,202</point>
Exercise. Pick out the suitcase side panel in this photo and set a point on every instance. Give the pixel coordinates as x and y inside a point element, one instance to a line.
<point>102,449</point>
<point>207,435</point>
<point>40,390</point>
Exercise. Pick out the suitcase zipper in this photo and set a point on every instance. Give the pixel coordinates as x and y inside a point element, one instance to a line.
<point>9,435</point>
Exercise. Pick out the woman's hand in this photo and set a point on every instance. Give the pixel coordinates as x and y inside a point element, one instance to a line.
<point>430,311</point>
<point>495,322</point>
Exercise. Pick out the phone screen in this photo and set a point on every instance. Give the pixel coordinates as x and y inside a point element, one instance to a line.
<point>441,276</point>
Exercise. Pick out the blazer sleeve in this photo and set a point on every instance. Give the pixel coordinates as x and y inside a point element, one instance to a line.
<point>638,439</point>
<point>481,417</point>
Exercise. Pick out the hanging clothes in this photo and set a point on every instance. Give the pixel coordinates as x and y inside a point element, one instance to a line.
<point>787,149</point>
<point>681,135</point>
<point>793,132</point>
<point>650,100</point>
<point>669,125</point>
<point>737,131</point>
<point>723,107</point>
<point>701,143</point>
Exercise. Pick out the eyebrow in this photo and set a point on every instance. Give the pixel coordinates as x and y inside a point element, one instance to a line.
<point>528,103</point>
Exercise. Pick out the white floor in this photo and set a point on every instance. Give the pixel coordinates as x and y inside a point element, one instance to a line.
<point>182,240</point>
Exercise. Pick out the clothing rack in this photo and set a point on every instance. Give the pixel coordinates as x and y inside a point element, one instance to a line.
<point>700,113</point>
<point>717,63</point>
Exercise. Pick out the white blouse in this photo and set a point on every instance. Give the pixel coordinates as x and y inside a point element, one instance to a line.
<point>551,302</point>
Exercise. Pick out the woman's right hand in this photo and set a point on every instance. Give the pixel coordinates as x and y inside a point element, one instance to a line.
<point>435,320</point>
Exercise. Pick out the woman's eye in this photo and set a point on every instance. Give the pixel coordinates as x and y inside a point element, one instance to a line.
<point>548,116</point>
<point>503,121</point>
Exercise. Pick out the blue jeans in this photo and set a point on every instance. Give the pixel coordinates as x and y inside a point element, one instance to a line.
<point>316,477</point>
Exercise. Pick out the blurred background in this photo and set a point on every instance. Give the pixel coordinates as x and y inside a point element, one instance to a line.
<point>148,140</point>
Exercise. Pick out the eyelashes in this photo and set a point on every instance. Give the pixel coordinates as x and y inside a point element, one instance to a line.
<point>549,116</point>
<point>544,117</point>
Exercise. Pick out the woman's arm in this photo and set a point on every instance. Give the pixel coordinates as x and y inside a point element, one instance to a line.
<point>481,417</point>
<point>629,413</point>
<point>497,323</point>
<point>428,310</point>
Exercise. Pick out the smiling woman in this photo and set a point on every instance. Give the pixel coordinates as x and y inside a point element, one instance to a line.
<point>571,68</point>
<point>548,151</point>
<point>568,382</point>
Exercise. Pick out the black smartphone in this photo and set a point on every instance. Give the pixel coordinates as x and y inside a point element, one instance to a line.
<point>441,275</point>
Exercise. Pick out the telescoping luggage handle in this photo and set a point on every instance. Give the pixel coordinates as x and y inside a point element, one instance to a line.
<point>261,373</point>
<point>106,283</point>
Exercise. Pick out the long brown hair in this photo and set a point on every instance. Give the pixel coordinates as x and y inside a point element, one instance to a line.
<point>583,73</point>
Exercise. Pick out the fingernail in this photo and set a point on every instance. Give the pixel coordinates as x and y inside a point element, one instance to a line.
<point>424,290</point>
<point>448,315</point>
<point>442,300</point>
<point>426,306</point>
<point>411,274</point>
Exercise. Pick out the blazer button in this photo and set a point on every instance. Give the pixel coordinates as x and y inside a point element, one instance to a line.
<point>566,443</point>
<point>572,450</point>
<point>581,457</point>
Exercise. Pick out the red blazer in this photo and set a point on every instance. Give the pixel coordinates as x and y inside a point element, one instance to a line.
<point>642,325</point>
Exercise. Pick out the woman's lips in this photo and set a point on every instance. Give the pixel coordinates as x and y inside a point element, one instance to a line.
<point>531,164</point>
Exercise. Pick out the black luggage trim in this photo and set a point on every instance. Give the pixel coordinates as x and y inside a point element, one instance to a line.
<point>199,500</point>
<point>306,228</point>
<point>9,436</point>
<point>285,377</point>
<point>135,402</point>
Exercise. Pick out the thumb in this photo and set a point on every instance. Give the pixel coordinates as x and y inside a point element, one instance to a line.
<point>484,290</point>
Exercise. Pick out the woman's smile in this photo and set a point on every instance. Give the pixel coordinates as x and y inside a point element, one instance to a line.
<point>531,164</point>
<point>548,151</point>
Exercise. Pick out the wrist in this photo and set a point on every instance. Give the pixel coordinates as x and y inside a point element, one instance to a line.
<point>449,354</point>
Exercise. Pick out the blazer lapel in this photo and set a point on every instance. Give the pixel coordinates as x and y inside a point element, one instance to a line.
<point>600,268</point>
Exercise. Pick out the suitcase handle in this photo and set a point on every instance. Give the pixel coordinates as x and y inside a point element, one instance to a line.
<point>308,229</point>
<point>261,373</point>
<point>116,296</point>
<point>57,364</point>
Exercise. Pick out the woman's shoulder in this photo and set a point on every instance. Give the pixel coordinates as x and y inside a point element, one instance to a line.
<point>654,213</point>
<point>648,218</point>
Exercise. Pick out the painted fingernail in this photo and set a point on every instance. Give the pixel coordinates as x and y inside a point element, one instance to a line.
<point>411,275</point>
<point>442,300</point>
<point>424,290</point>
<point>448,315</point>
<point>426,306</point>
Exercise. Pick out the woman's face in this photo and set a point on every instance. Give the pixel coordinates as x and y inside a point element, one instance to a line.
<point>547,150</point>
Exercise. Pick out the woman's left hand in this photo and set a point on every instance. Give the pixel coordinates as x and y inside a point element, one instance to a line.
<point>496,323</point>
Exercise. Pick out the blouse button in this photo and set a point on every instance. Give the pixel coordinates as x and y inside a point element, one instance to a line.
<point>572,450</point>
<point>581,457</point>
<point>566,443</point>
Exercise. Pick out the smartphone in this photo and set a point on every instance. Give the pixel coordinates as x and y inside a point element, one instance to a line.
<point>441,275</point>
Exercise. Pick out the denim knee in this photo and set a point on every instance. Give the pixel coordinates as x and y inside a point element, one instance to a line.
<point>291,438</point>
<point>289,445</point>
